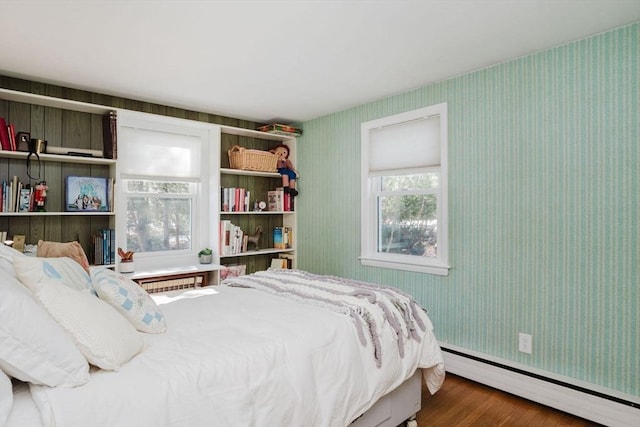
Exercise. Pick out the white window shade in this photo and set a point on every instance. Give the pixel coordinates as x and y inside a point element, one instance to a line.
<point>409,145</point>
<point>181,154</point>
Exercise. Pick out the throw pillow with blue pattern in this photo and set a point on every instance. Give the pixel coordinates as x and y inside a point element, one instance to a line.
<point>63,270</point>
<point>130,300</point>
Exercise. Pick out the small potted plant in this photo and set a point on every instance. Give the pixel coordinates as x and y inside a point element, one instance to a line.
<point>205,256</point>
<point>126,261</point>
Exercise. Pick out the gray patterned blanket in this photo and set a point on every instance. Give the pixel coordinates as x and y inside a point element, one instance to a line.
<point>369,306</point>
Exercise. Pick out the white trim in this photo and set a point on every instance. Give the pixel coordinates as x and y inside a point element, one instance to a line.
<point>369,255</point>
<point>418,268</point>
<point>204,200</point>
<point>584,405</point>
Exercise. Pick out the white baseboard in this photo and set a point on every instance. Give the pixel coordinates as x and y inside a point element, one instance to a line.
<point>592,407</point>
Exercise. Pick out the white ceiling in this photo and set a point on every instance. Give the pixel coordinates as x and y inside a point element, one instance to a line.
<point>281,61</point>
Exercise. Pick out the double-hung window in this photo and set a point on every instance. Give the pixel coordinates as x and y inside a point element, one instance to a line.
<point>165,186</point>
<point>404,191</point>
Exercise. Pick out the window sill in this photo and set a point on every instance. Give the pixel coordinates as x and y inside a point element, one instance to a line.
<point>418,268</point>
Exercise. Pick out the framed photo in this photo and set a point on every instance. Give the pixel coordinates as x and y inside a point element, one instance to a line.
<point>86,193</point>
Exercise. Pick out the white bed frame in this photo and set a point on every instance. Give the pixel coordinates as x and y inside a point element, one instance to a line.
<point>396,407</point>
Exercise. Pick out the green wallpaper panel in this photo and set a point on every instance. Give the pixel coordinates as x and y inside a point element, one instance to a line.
<point>544,208</point>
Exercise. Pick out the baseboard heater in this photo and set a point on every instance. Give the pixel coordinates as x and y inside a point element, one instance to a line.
<point>598,406</point>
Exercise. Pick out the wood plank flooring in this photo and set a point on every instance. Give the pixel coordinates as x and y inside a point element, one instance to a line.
<point>461,402</point>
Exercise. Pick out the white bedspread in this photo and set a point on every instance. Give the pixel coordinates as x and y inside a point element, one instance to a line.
<point>234,356</point>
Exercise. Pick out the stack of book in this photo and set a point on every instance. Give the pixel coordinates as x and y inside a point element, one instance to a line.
<point>16,196</point>
<point>104,243</point>
<point>232,239</point>
<point>234,199</point>
<point>7,136</point>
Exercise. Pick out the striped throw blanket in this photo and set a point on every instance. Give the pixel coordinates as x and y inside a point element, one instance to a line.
<point>368,305</point>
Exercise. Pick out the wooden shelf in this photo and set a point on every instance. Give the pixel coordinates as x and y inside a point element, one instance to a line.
<point>47,101</point>
<point>259,213</point>
<point>36,213</point>
<point>260,252</point>
<point>227,171</point>
<point>58,158</point>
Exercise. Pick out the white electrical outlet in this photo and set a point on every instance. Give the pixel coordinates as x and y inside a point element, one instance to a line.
<point>525,343</point>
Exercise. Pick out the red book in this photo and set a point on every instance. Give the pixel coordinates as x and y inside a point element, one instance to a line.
<point>11,129</point>
<point>4,135</point>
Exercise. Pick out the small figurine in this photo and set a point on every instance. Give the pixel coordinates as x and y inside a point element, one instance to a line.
<point>255,238</point>
<point>40,195</point>
<point>286,169</point>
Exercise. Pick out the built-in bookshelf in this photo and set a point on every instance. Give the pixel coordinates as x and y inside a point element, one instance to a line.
<point>66,124</point>
<point>79,126</point>
<point>255,213</point>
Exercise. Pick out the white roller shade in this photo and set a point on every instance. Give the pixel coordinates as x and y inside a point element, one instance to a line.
<point>139,155</point>
<point>412,144</point>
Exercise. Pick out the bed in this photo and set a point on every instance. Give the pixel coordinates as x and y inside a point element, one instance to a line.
<point>274,348</point>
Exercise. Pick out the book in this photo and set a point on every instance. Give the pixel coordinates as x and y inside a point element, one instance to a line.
<point>275,200</point>
<point>287,237</point>
<point>4,135</point>
<point>110,135</point>
<point>288,258</point>
<point>86,193</point>
<point>11,130</point>
<point>232,239</point>
<point>66,151</point>
<point>278,263</point>
<point>25,202</point>
<point>278,238</point>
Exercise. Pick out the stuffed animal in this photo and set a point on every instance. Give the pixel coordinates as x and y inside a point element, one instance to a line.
<point>286,169</point>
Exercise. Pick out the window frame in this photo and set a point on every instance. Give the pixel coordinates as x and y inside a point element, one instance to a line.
<point>204,202</point>
<point>192,195</point>
<point>370,189</point>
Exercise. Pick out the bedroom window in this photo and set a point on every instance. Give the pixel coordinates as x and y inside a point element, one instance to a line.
<point>404,191</point>
<point>159,215</point>
<point>164,188</point>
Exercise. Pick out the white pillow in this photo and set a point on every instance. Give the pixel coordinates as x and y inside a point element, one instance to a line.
<point>7,255</point>
<point>6,397</point>
<point>34,347</point>
<point>102,335</point>
<point>129,299</point>
<point>63,270</point>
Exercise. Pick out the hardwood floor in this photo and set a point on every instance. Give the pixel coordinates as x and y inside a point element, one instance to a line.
<point>461,402</point>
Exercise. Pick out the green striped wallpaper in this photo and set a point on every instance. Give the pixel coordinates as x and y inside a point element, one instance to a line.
<point>544,208</point>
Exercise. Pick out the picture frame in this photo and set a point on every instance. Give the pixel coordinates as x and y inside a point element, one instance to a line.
<point>86,194</point>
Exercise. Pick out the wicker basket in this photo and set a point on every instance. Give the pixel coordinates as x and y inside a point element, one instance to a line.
<point>253,160</point>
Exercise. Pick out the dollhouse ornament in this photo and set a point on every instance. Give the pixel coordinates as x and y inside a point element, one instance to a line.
<point>40,196</point>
